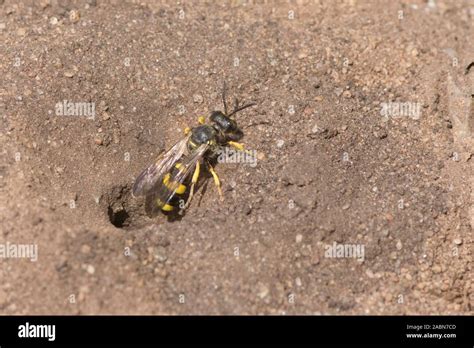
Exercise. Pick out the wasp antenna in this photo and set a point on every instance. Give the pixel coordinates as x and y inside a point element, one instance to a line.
<point>237,109</point>
<point>255,124</point>
<point>224,88</point>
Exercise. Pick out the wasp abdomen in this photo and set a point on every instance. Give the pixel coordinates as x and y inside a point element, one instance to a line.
<point>174,188</point>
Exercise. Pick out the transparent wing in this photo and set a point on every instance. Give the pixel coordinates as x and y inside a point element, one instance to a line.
<point>162,194</point>
<point>147,179</point>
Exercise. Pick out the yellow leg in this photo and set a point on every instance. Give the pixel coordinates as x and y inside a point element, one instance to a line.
<point>238,146</point>
<point>201,120</point>
<point>193,182</point>
<point>217,182</point>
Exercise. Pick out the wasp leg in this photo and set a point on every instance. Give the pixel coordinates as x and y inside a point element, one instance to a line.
<point>238,146</point>
<point>217,182</point>
<point>193,182</point>
<point>201,120</point>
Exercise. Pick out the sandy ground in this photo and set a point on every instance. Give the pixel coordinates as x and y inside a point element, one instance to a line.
<point>364,133</point>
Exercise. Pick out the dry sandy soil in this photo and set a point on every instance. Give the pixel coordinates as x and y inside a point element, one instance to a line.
<point>334,164</point>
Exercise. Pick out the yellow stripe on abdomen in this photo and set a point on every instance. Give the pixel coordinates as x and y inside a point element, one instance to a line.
<point>169,184</point>
<point>164,206</point>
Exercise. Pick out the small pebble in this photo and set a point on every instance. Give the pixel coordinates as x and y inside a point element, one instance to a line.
<point>263,291</point>
<point>347,94</point>
<point>160,254</point>
<point>302,55</point>
<point>161,272</point>
<point>399,245</point>
<point>3,298</point>
<point>198,98</point>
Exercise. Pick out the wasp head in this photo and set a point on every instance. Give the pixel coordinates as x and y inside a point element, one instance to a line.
<point>226,127</point>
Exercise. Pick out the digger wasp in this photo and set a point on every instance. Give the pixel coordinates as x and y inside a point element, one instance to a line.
<point>164,183</point>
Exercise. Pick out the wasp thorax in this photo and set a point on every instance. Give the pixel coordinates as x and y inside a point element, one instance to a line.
<point>203,134</point>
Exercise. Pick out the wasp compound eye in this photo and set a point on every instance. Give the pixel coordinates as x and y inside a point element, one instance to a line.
<point>235,135</point>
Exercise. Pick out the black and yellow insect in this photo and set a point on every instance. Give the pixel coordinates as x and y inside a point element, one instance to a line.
<point>164,183</point>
